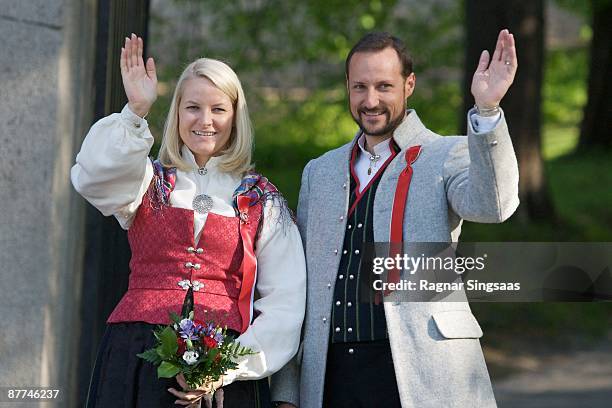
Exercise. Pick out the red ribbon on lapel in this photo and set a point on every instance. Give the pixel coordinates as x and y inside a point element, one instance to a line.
<point>399,207</point>
<point>249,263</point>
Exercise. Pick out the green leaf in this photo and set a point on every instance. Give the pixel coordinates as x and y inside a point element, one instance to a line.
<point>213,353</point>
<point>175,318</point>
<point>167,370</point>
<point>151,356</point>
<point>168,346</point>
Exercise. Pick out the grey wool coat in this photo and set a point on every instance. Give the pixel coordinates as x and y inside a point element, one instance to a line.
<point>435,346</point>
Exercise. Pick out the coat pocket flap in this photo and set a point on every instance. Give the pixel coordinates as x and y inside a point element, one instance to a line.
<point>457,324</point>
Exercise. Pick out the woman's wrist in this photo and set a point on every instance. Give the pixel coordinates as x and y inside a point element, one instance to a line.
<point>139,109</point>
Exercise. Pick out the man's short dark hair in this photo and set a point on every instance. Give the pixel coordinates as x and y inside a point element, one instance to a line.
<point>378,41</point>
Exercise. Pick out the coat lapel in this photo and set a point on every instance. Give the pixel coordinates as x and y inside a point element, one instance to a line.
<point>330,203</point>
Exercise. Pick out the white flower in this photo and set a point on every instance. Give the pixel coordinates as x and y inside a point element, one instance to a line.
<point>191,357</point>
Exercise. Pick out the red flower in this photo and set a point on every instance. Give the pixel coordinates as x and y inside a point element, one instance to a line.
<point>181,346</point>
<point>209,342</point>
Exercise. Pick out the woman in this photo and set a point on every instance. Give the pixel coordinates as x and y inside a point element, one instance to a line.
<point>198,219</point>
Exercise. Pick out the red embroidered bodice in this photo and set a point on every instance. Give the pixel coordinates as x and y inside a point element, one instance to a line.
<point>166,261</point>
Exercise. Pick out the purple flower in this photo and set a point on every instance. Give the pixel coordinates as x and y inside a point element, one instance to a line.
<point>219,338</point>
<point>187,329</point>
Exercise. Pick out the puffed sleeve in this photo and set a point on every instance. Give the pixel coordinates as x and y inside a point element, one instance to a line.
<point>112,170</point>
<point>281,284</point>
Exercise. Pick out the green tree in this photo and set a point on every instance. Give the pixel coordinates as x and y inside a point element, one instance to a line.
<point>596,128</point>
<point>522,104</point>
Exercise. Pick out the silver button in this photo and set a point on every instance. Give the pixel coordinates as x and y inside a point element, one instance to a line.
<point>338,303</point>
<point>350,330</point>
<point>335,252</point>
<point>341,217</point>
<point>349,304</point>
<point>344,186</point>
<point>351,351</point>
<point>351,276</point>
<point>324,319</point>
<point>188,265</point>
<point>137,125</point>
<point>196,266</point>
<point>337,330</point>
<point>340,277</point>
<point>350,226</point>
<point>356,252</point>
<point>359,225</point>
<point>197,285</point>
<point>199,250</point>
<point>345,252</point>
<point>494,143</point>
<point>328,285</point>
<point>190,249</point>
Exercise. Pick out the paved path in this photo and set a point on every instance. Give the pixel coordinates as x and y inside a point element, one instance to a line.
<point>574,379</point>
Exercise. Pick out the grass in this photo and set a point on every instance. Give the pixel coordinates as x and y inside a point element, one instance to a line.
<point>558,141</point>
<point>555,324</point>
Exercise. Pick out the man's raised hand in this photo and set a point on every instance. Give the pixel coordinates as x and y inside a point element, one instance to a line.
<point>493,78</point>
<point>139,80</point>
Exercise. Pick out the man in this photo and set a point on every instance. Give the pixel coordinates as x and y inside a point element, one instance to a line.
<point>408,354</point>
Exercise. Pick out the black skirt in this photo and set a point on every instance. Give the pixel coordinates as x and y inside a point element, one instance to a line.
<point>123,380</point>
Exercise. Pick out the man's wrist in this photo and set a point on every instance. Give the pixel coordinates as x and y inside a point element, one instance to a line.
<point>486,111</point>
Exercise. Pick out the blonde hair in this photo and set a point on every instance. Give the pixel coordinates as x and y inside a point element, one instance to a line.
<point>236,157</point>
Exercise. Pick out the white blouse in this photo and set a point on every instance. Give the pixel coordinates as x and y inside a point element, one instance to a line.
<point>113,172</point>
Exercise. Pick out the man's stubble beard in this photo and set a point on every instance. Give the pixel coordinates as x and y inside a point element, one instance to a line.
<point>386,130</point>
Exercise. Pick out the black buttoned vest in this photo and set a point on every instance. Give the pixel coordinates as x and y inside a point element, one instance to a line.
<point>356,315</point>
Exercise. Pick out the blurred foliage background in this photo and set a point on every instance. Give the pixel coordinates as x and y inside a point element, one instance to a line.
<point>290,58</point>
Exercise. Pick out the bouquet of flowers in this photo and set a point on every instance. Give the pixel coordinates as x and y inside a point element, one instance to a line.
<point>202,352</point>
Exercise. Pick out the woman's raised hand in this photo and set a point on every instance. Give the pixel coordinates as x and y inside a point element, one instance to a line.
<point>139,80</point>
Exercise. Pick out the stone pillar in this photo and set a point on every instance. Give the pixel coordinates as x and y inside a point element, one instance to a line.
<point>46,70</point>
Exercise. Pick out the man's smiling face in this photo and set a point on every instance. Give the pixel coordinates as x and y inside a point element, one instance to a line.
<point>378,91</point>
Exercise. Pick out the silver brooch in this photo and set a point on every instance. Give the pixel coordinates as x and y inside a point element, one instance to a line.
<point>184,284</point>
<point>202,171</point>
<point>202,203</point>
<point>244,217</point>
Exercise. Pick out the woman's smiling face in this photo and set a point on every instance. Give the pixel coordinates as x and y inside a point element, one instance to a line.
<point>206,118</point>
